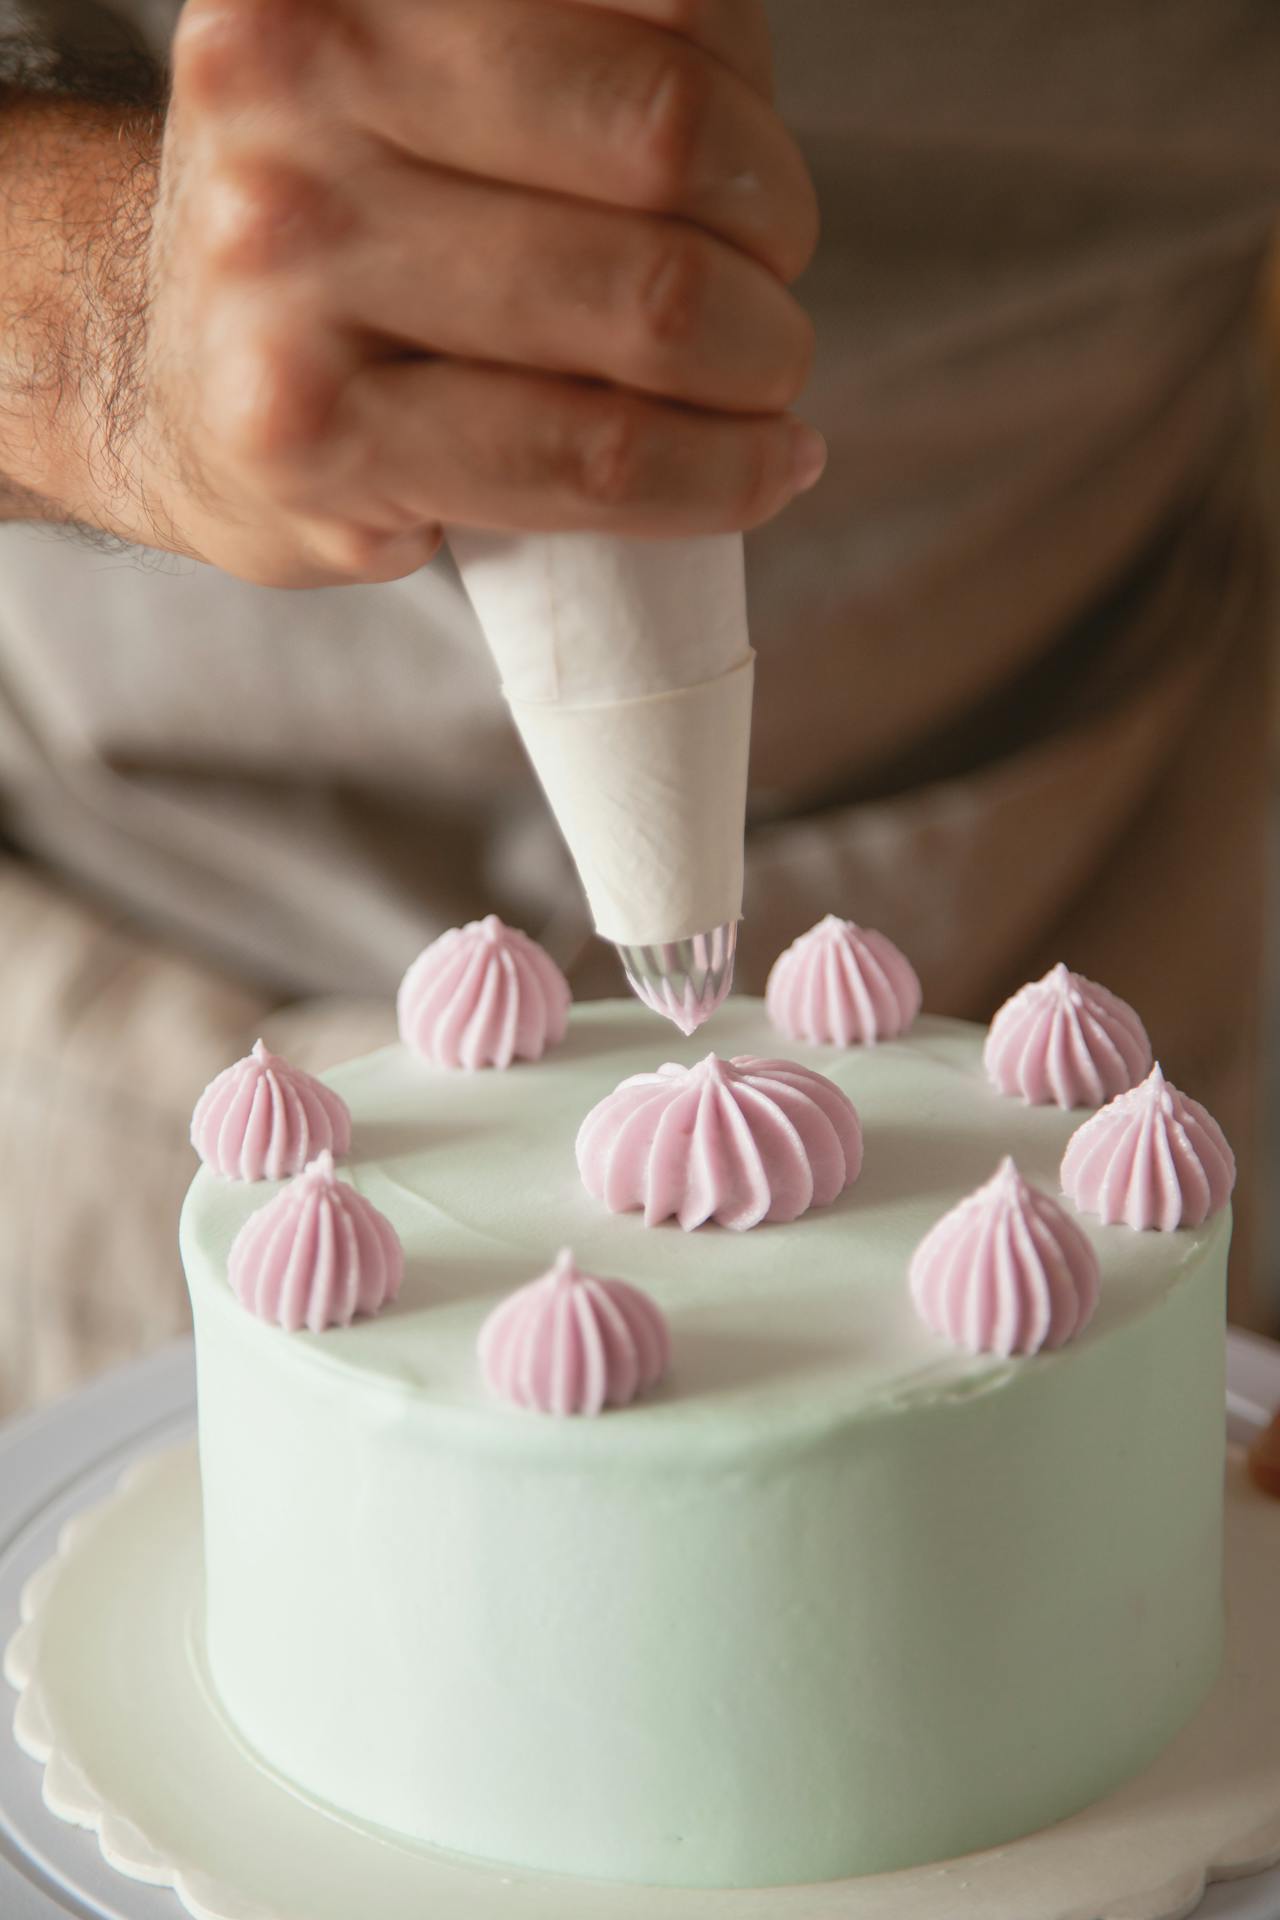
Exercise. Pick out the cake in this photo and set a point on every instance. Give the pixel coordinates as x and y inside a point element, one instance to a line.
<point>885,1540</point>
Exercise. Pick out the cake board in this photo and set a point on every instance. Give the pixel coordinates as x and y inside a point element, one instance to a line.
<point>1116,1860</point>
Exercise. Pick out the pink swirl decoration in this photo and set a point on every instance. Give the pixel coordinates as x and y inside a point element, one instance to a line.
<point>483,995</point>
<point>262,1119</point>
<point>1152,1158</point>
<point>1065,1041</point>
<point>1007,1271</point>
<point>841,985</point>
<point>316,1255</point>
<point>738,1142</point>
<point>570,1343</point>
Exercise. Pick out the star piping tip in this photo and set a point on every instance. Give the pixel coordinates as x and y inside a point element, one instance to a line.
<point>683,980</point>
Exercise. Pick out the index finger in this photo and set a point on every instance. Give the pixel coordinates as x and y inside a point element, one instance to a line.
<point>734,32</point>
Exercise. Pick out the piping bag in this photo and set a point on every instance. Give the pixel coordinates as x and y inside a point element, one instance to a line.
<point>628,672</point>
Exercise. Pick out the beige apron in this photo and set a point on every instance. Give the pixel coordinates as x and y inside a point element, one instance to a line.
<point>1012,656</point>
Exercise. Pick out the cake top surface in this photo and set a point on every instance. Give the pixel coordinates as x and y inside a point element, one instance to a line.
<point>802,1326</point>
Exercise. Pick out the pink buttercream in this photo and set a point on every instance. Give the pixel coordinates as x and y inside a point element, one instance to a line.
<point>316,1255</point>
<point>483,995</point>
<point>262,1119</point>
<point>738,1142</point>
<point>1152,1158</point>
<point>1066,1041</point>
<point>841,985</point>
<point>1007,1271</point>
<point>570,1343</point>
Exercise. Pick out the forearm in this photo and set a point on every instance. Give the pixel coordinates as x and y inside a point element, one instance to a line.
<point>78,164</point>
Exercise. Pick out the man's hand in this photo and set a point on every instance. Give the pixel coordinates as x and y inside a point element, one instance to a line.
<point>505,263</point>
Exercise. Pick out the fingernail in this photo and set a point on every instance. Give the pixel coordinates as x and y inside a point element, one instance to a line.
<point>808,457</point>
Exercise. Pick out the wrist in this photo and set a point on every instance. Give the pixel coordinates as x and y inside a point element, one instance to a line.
<point>80,184</point>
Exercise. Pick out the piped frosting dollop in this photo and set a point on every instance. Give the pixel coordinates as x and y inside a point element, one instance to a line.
<point>1007,1271</point>
<point>570,1343</point>
<point>842,985</point>
<point>1066,1041</point>
<point>483,995</point>
<point>262,1119</point>
<point>1152,1158</point>
<point>738,1142</point>
<point>316,1255</point>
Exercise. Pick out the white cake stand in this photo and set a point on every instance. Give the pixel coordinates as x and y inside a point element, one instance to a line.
<point>186,1808</point>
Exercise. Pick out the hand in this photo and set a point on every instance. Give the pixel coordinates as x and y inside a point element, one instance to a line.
<point>503,263</point>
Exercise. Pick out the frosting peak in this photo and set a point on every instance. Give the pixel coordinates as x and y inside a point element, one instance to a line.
<point>1066,1041</point>
<point>316,1255</point>
<point>711,1069</point>
<point>1007,1271</point>
<point>1152,1158</point>
<point>320,1172</point>
<point>842,985</point>
<point>570,1343</point>
<point>738,1142</point>
<point>483,995</point>
<point>262,1119</point>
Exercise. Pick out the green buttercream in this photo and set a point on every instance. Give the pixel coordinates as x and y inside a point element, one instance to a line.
<point>835,1598</point>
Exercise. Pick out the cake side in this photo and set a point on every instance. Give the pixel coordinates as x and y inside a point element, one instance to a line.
<point>835,1599</point>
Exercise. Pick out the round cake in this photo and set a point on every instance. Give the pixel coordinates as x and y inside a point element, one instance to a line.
<point>836,1596</point>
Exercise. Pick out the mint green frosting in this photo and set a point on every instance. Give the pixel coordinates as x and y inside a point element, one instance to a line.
<point>835,1598</point>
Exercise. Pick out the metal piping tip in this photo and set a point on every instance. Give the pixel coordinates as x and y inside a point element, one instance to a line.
<point>684,980</point>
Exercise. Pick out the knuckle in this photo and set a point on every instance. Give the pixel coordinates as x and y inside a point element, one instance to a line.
<point>392,556</point>
<point>206,65</point>
<point>264,215</point>
<point>673,291</point>
<point>229,52</point>
<point>346,552</point>
<point>673,116</point>
<point>272,409</point>
<point>689,17</point>
<point>605,464</point>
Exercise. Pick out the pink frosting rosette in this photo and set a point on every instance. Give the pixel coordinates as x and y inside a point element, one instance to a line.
<point>316,1255</point>
<point>1065,1041</point>
<point>570,1343</point>
<point>1152,1158</point>
<point>262,1119</point>
<point>841,985</point>
<point>738,1142</point>
<point>483,995</point>
<point>1008,1271</point>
